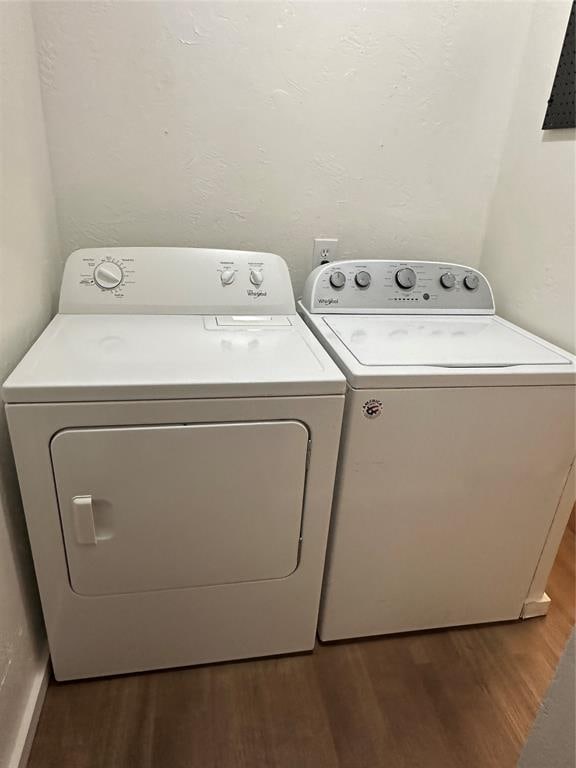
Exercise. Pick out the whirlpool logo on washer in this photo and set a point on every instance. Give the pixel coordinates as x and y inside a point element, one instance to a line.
<point>372,409</point>
<point>256,294</point>
<point>328,301</point>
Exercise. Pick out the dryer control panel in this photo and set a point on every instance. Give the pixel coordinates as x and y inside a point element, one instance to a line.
<point>177,281</point>
<point>397,287</point>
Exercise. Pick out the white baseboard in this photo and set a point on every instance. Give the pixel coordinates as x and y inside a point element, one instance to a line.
<point>533,608</point>
<point>25,736</point>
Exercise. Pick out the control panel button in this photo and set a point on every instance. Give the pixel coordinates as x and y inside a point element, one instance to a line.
<point>337,279</point>
<point>447,280</point>
<point>471,282</point>
<point>227,276</point>
<point>406,278</point>
<point>108,275</point>
<point>363,279</point>
<point>256,276</point>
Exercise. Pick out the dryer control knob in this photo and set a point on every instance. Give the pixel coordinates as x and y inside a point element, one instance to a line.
<point>363,279</point>
<point>337,279</point>
<point>108,275</point>
<point>256,276</point>
<point>471,282</point>
<point>447,280</point>
<point>406,278</point>
<point>227,276</point>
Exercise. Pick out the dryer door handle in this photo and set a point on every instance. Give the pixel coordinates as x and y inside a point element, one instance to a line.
<point>83,514</point>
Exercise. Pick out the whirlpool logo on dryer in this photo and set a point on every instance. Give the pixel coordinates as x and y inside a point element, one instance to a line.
<point>328,301</point>
<point>256,294</point>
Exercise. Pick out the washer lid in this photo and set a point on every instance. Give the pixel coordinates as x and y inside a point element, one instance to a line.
<point>154,357</point>
<point>447,342</point>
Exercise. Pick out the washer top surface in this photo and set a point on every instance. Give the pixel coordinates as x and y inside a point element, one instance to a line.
<point>418,324</point>
<point>452,342</point>
<point>181,323</point>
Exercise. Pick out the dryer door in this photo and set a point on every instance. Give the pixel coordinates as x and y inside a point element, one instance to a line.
<point>146,508</point>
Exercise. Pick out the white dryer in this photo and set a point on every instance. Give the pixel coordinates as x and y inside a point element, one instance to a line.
<point>176,432</point>
<point>456,469</point>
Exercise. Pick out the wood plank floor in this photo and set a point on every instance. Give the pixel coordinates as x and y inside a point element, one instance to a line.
<point>462,698</point>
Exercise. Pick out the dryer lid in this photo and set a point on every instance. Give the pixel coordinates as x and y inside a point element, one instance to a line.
<point>448,342</point>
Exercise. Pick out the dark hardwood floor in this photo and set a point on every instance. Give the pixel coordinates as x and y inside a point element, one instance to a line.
<point>463,698</point>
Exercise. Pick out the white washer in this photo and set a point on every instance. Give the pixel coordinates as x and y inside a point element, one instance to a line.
<point>176,432</point>
<point>456,474</point>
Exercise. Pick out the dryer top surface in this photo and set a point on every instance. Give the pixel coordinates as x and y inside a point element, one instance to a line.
<point>150,357</point>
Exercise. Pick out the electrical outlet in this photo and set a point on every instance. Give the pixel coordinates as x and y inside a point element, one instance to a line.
<point>325,250</point>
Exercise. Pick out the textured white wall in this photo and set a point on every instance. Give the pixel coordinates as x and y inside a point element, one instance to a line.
<point>29,272</point>
<point>262,125</point>
<point>530,249</point>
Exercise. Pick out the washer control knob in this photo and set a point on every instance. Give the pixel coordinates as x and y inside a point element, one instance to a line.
<point>447,280</point>
<point>256,276</point>
<point>337,279</point>
<point>471,282</point>
<point>363,279</point>
<point>108,275</point>
<point>227,276</point>
<point>406,278</point>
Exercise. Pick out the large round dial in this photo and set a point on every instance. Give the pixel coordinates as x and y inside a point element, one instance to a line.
<point>471,282</point>
<point>108,275</point>
<point>447,280</point>
<point>406,278</point>
<point>363,279</point>
<point>337,279</point>
<point>256,276</point>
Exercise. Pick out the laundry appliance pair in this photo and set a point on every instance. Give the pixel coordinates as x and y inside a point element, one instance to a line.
<point>176,431</point>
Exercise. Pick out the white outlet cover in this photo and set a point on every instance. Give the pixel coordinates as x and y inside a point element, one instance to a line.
<point>325,250</point>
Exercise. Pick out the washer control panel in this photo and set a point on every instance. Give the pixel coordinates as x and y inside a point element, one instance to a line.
<point>397,287</point>
<point>175,281</point>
